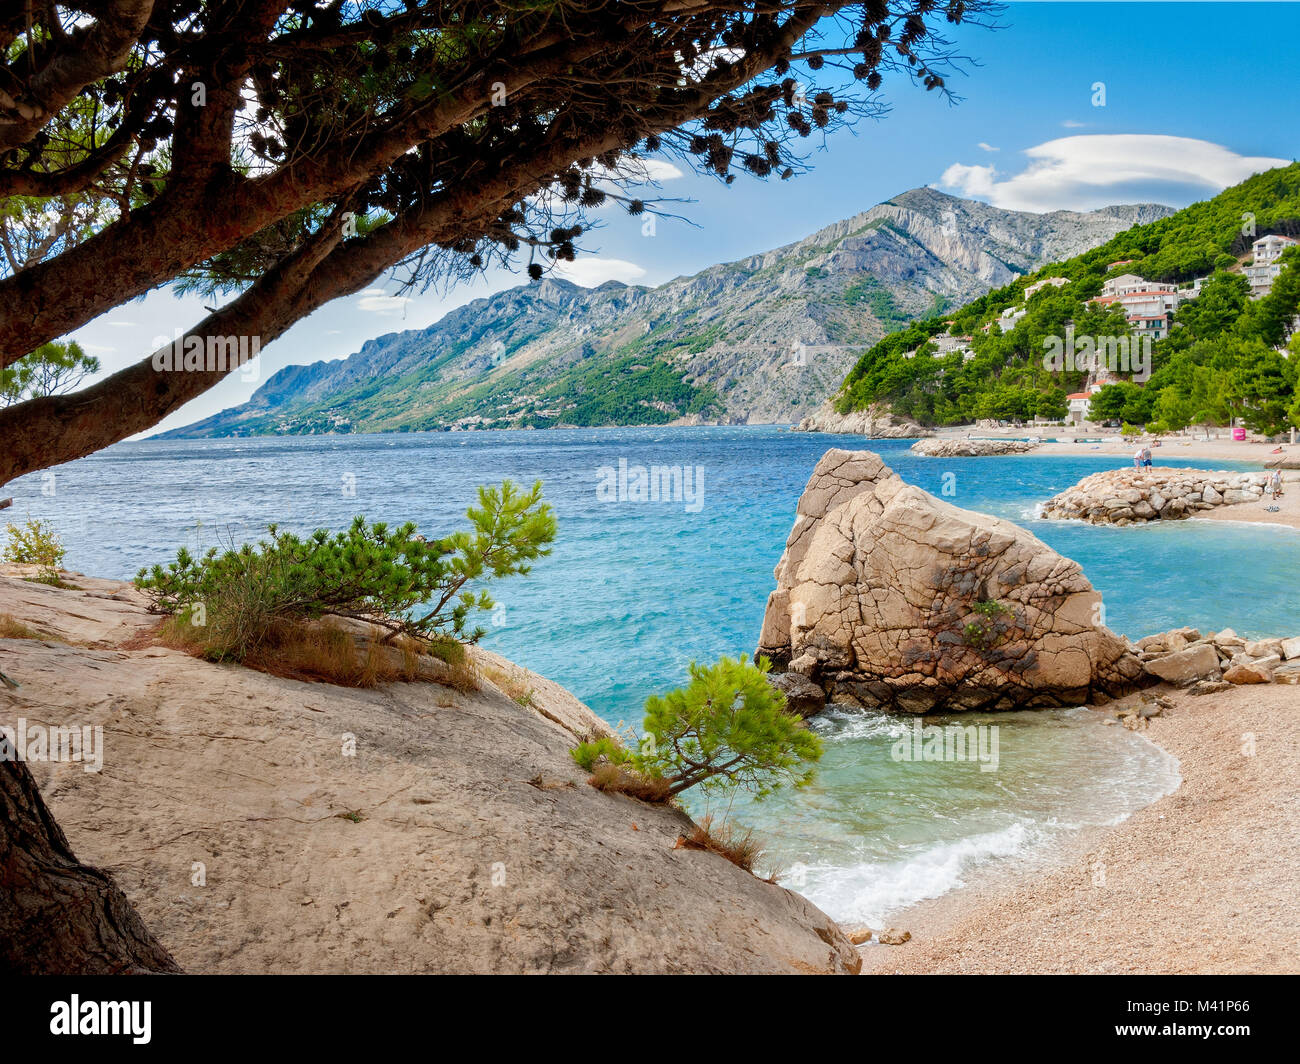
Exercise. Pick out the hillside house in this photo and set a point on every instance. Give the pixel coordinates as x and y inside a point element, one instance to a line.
<point>947,345</point>
<point>1155,326</point>
<point>1265,266</point>
<point>1079,404</point>
<point>1146,304</point>
<point>1038,286</point>
<point>1011,317</point>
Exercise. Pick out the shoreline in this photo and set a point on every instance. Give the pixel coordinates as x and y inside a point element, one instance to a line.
<point>1200,881</point>
<point>1215,450</point>
<point>1218,449</point>
<point>1222,449</point>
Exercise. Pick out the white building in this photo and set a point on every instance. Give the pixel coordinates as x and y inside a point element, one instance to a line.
<point>1079,403</point>
<point>1155,326</point>
<point>1142,303</point>
<point>1146,304</point>
<point>946,345</point>
<point>1131,284</point>
<point>1010,318</point>
<point>1264,269</point>
<point>1038,286</point>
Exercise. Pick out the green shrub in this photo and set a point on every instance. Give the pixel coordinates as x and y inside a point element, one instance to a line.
<point>368,572</point>
<point>727,728</point>
<point>986,632</point>
<point>588,754</point>
<point>35,543</point>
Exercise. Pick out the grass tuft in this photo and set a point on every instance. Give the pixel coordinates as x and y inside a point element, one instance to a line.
<point>737,845</point>
<point>514,687</point>
<point>619,779</point>
<point>299,650</point>
<point>11,628</point>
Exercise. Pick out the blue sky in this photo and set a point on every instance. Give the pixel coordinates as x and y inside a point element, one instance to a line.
<point>1197,96</point>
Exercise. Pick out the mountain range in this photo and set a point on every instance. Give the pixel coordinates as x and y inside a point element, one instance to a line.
<point>765,339</point>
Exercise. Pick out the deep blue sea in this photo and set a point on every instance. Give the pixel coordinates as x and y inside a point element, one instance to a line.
<point>633,591</point>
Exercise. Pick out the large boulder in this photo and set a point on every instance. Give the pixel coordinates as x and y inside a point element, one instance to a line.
<point>889,597</point>
<point>1198,662</point>
<point>802,696</point>
<point>1248,672</point>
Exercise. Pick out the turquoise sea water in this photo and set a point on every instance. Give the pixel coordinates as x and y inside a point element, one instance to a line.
<point>635,590</point>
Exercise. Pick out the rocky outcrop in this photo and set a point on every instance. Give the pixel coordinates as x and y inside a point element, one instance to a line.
<point>1185,657</point>
<point>1126,496</point>
<point>889,597</point>
<point>802,696</point>
<point>262,825</point>
<point>876,422</point>
<point>972,448</point>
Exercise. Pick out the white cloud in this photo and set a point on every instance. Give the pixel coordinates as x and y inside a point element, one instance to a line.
<point>637,171</point>
<point>1070,123</point>
<point>591,270</point>
<point>986,147</point>
<point>661,170</point>
<point>376,301</point>
<point>1086,172</point>
<point>973,182</point>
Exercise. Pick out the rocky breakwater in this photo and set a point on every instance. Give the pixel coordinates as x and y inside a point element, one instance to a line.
<point>1215,661</point>
<point>1127,496</point>
<point>888,597</point>
<point>971,448</point>
<point>876,422</point>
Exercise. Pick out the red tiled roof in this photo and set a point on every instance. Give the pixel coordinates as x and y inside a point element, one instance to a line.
<point>1080,395</point>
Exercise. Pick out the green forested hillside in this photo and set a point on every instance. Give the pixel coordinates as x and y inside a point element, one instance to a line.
<point>1220,360</point>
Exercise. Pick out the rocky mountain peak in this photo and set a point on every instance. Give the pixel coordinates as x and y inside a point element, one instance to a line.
<point>766,338</point>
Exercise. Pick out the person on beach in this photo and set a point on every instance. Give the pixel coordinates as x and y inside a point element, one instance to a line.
<point>1137,458</point>
<point>1275,484</point>
<point>1146,456</point>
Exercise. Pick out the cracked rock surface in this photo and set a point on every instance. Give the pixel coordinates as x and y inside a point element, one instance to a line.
<point>888,597</point>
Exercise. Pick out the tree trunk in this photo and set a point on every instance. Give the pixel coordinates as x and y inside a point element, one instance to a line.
<point>58,916</point>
